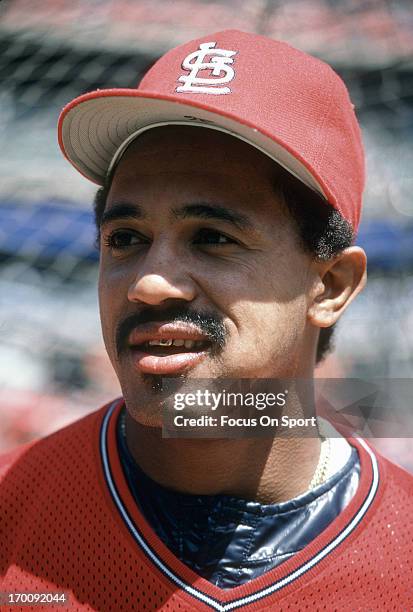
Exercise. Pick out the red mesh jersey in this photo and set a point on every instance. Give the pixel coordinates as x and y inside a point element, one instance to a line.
<point>69,523</point>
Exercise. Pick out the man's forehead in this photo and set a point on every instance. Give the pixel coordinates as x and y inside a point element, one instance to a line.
<point>180,167</point>
<point>214,149</point>
<point>186,166</point>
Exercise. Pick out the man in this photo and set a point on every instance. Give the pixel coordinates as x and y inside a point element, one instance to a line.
<point>231,184</point>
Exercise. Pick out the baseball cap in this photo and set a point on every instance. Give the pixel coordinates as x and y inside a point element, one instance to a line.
<point>290,105</point>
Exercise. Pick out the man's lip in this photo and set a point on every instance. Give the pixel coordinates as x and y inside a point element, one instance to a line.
<point>167,365</point>
<point>164,331</point>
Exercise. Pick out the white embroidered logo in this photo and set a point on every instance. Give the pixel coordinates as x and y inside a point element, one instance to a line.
<point>220,60</point>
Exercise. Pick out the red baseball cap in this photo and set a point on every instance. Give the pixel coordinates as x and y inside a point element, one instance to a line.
<point>289,105</point>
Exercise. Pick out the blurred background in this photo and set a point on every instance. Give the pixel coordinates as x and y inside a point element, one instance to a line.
<point>53,367</point>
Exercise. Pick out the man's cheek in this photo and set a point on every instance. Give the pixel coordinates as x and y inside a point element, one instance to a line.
<point>109,333</point>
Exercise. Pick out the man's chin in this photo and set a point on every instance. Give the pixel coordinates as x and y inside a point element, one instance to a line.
<point>144,408</point>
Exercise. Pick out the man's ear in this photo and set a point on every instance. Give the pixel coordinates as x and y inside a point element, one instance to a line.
<point>339,280</point>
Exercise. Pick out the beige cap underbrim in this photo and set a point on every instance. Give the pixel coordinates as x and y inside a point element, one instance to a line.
<point>94,131</point>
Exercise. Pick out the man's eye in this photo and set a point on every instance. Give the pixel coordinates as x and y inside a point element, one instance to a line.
<point>124,239</point>
<point>208,236</point>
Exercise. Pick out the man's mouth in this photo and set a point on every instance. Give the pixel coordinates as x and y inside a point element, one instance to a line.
<point>167,348</point>
<point>158,346</point>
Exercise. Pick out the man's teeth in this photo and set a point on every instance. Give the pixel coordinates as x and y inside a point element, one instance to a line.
<point>160,342</point>
<point>178,342</point>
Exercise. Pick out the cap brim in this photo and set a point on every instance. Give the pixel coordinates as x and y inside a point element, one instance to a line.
<point>94,128</point>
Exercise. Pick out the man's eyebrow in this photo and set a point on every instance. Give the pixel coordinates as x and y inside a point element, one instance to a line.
<point>207,211</point>
<point>122,211</point>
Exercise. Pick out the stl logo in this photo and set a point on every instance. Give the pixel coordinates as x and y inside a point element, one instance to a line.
<point>220,61</point>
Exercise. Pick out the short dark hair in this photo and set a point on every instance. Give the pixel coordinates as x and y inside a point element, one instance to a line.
<point>323,232</point>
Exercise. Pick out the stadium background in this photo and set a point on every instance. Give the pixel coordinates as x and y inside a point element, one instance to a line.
<point>53,364</point>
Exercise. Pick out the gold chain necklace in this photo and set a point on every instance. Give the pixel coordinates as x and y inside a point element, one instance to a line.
<point>320,473</point>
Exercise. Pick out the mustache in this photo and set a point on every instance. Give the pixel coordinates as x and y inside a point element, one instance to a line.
<point>210,324</point>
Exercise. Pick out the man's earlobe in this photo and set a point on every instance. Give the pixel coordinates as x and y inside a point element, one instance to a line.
<point>340,280</point>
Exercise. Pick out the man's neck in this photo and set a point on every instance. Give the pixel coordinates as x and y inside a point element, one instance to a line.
<point>267,470</point>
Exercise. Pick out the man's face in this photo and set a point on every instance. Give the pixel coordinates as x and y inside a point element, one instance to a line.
<point>201,272</point>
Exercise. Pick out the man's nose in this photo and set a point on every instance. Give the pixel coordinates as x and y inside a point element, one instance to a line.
<point>161,278</point>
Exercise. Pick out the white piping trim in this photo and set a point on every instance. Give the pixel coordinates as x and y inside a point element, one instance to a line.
<point>333,544</point>
<point>259,594</point>
<point>131,526</point>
